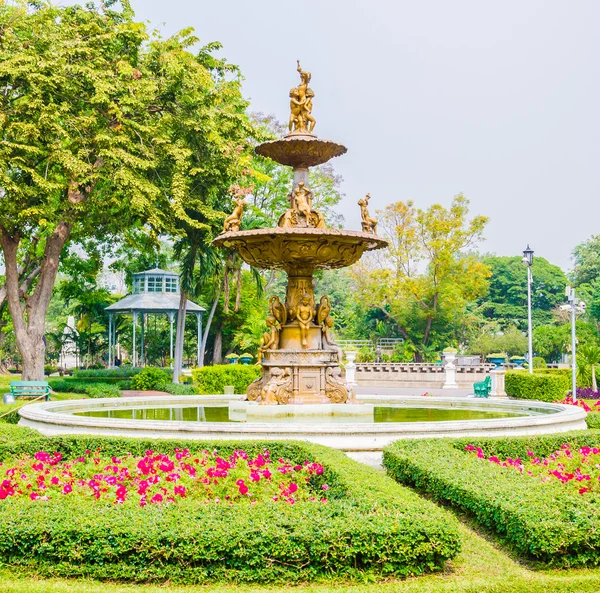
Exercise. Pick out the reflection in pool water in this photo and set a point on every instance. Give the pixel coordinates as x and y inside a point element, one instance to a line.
<point>221,414</point>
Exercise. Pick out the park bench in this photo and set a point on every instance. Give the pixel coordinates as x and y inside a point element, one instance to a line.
<point>483,388</point>
<point>30,389</point>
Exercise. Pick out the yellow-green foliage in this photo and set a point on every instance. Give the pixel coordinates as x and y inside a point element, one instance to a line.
<point>212,380</point>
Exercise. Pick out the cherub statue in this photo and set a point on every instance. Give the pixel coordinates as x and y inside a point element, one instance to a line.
<point>270,339</point>
<point>369,225</point>
<point>278,310</point>
<point>305,313</point>
<point>234,220</point>
<point>323,310</point>
<point>278,388</point>
<point>302,200</point>
<point>301,119</point>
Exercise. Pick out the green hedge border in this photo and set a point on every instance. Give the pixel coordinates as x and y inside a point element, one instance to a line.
<point>371,527</point>
<point>540,521</point>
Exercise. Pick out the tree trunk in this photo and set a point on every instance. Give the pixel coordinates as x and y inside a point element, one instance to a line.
<point>179,336</point>
<point>29,320</point>
<point>218,348</point>
<point>209,322</point>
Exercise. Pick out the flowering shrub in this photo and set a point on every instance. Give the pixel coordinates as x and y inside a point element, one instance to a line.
<point>579,402</point>
<point>366,530</point>
<point>579,470</point>
<point>585,393</point>
<point>541,515</point>
<point>156,478</point>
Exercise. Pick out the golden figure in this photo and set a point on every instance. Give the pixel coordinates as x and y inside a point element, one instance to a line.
<point>323,310</point>
<point>302,200</point>
<point>234,220</point>
<point>279,387</point>
<point>336,388</point>
<point>278,310</point>
<point>304,314</point>
<point>369,225</point>
<point>270,339</point>
<point>301,119</point>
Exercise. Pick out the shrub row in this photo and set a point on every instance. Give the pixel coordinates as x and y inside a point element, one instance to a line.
<point>212,379</point>
<point>90,389</point>
<point>119,373</point>
<point>177,388</point>
<point>542,386</point>
<point>541,521</point>
<point>370,528</point>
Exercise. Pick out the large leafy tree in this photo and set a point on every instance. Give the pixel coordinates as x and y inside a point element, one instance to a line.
<point>75,106</point>
<point>424,281</point>
<point>506,299</point>
<point>586,257</point>
<point>104,126</point>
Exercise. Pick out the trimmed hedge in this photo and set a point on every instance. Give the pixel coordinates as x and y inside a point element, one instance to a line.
<point>547,386</point>
<point>91,390</point>
<point>370,528</point>
<point>118,373</point>
<point>593,420</point>
<point>11,433</point>
<point>212,380</point>
<point>177,388</point>
<point>150,378</point>
<point>541,521</point>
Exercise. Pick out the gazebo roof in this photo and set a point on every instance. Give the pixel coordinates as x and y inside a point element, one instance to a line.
<point>152,302</point>
<point>155,272</point>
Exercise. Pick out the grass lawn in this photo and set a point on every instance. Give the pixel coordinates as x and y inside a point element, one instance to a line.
<point>482,567</point>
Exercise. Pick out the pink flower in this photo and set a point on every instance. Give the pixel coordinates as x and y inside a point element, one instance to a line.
<point>67,489</point>
<point>243,489</point>
<point>156,499</point>
<point>325,487</point>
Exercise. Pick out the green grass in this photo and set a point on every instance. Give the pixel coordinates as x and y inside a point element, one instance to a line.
<point>482,567</point>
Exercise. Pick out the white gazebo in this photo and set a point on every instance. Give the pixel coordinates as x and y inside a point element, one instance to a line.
<point>155,292</point>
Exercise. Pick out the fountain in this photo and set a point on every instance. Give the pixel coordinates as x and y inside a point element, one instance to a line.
<point>299,357</point>
<point>301,392</point>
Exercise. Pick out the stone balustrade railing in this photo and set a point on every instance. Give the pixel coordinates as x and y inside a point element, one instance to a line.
<point>410,374</point>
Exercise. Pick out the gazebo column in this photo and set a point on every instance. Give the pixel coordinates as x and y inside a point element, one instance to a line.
<point>199,317</point>
<point>142,357</point>
<point>110,341</point>
<point>171,320</point>
<point>133,354</point>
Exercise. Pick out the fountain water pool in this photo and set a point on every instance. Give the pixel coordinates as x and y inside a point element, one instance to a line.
<point>384,420</point>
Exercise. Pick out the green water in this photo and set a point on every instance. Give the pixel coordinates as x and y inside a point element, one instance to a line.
<point>221,414</point>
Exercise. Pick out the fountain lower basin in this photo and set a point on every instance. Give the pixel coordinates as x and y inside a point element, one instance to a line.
<point>519,417</point>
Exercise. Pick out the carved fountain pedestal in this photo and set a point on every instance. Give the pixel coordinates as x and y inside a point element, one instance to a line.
<point>300,359</point>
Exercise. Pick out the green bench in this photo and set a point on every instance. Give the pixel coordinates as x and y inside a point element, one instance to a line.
<point>483,388</point>
<point>30,389</point>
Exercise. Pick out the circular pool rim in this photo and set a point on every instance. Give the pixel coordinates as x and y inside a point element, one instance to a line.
<point>54,418</point>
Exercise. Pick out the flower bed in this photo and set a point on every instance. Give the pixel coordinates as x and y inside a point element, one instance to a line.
<point>577,470</point>
<point>159,478</point>
<point>521,508</point>
<point>593,409</point>
<point>359,525</point>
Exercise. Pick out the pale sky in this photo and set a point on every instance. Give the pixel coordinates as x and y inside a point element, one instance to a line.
<point>498,100</point>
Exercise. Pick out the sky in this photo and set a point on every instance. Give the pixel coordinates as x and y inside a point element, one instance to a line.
<point>498,100</point>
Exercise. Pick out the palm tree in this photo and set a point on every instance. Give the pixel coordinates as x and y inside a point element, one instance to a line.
<point>588,356</point>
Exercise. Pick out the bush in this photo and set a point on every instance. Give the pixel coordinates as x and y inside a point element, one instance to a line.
<point>177,389</point>
<point>11,433</point>
<point>95,389</point>
<point>593,420</point>
<point>370,528</point>
<point>10,413</point>
<point>539,362</point>
<point>149,378</point>
<point>546,387</point>
<point>541,521</point>
<point>50,369</point>
<point>119,373</point>
<point>103,390</point>
<point>212,380</point>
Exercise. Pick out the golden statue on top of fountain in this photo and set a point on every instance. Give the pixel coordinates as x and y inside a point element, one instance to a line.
<point>299,357</point>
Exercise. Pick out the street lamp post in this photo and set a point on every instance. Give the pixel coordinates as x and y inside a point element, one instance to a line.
<point>575,305</point>
<point>528,262</point>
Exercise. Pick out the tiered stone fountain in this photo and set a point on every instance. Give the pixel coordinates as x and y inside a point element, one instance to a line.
<point>300,359</point>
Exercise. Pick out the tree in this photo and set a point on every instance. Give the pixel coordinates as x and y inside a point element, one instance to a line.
<point>506,298</point>
<point>105,128</point>
<point>75,105</point>
<point>588,356</point>
<point>552,341</point>
<point>423,282</point>
<point>587,262</point>
<point>511,340</point>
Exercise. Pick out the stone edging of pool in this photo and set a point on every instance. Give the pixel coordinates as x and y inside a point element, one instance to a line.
<point>54,418</point>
